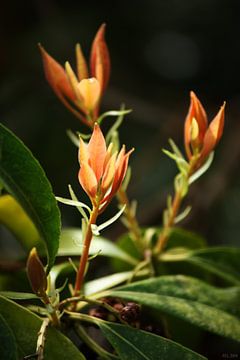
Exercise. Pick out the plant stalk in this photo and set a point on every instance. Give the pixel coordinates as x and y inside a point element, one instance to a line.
<point>134,227</point>
<point>84,256</point>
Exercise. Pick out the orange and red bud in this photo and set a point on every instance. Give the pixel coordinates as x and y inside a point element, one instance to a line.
<point>101,171</point>
<point>201,138</point>
<point>36,274</point>
<point>81,92</point>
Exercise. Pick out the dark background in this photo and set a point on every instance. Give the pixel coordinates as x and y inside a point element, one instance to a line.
<point>160,50</point>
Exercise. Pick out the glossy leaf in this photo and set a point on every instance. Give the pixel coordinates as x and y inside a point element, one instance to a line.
<point>8,346</point>
<point>134,344</point>
<point>71,245</point>
<point>25,327</point>
<point>221,261</point>
<point>23,177</point>
<point>189,299</point>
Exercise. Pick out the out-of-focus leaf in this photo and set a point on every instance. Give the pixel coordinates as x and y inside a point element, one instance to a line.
<point>136,344</point>
<point>8,346</point>
<point>221,261</point>
<point>106,282</point>
<point>25,327</point>
<point>15,295</point>
<point>23,177</point>
<point>18,222</point>
<point>189,299</point>
<point>71,245</point>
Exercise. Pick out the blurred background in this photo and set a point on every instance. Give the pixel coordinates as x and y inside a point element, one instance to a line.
<point>160,50</point>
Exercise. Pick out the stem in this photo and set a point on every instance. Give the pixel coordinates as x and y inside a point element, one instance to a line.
<point>133,225</point>
<point>176,203</point>
<point>86,246</point>
<point>41,339</point>
<point>51,310</point>
<point>163,237</point>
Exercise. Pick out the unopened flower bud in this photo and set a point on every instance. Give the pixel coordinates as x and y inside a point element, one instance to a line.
<point>36,274</point>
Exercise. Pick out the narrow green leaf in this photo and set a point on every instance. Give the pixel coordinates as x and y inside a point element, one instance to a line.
<point>8,346</point>
<point>97,228</point>
<point>15,295</point>
<point>71,245</point>
<point>106,282</point>
<point>221,261</point>
<point>189,299</point>
<point>23,177</point>
<point>113,113</point>
<point>202,170</point>
<point>25,327</point>
<point>136,344</point>
<point>113,130</point>
<point>80,208</point>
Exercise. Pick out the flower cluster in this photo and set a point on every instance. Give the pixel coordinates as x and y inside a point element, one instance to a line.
<point>81,92</point>
<point>201,138</point>
<point>101,171</point>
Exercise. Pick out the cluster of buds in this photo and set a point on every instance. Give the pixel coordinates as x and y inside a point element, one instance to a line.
<point>201,138</point>
<point>81,92</point>
<point>101,171</point>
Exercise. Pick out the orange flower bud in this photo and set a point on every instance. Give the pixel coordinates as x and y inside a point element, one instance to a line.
<point>100,59</point>
<point>201,138</point>
<point>101,173</point>
<point>81,93</point>
<point>56,76</point>
<point>36,274</point>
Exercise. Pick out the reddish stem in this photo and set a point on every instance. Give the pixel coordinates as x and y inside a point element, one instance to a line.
<point>84,257</point>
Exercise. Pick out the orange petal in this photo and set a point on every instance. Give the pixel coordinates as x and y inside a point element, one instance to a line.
<point>196,111</point>
<point>213,133</point>
<point>82,70</point>
<point>88,180</point>
<point>97,151</point>
<point>89,90</point>
<point>83,155</point>
<point>120,172</point>
<point>100,59</point>
<point>108,175</point>
<point>56,76</point>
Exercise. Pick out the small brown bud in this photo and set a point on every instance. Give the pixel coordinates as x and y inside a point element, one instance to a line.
<point>131,312</point>
<point>36,274</point>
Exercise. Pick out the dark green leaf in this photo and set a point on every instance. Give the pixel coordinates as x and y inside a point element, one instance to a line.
<point>189,299</point>
<point>23,177</point>
<point>71,245</point>
<point>8,346</point>
<point>221,261</point>
<point>136,344</point>
<point>25,327</point>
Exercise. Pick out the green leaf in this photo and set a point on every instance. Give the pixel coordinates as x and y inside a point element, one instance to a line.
<point>18,222</point>
<point>188,299</point>
<point>202,169</point>
<point>106,282</point>
<point>23,177</point>
<point>97,228</point>
<point>187,239</point>
<point>25,327</point>
<point>15,295</point>
<point>71,245</point>
<point>136,344</point>
<point>8,346</point>
<point>221,261</point>
<point>113,113</point>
